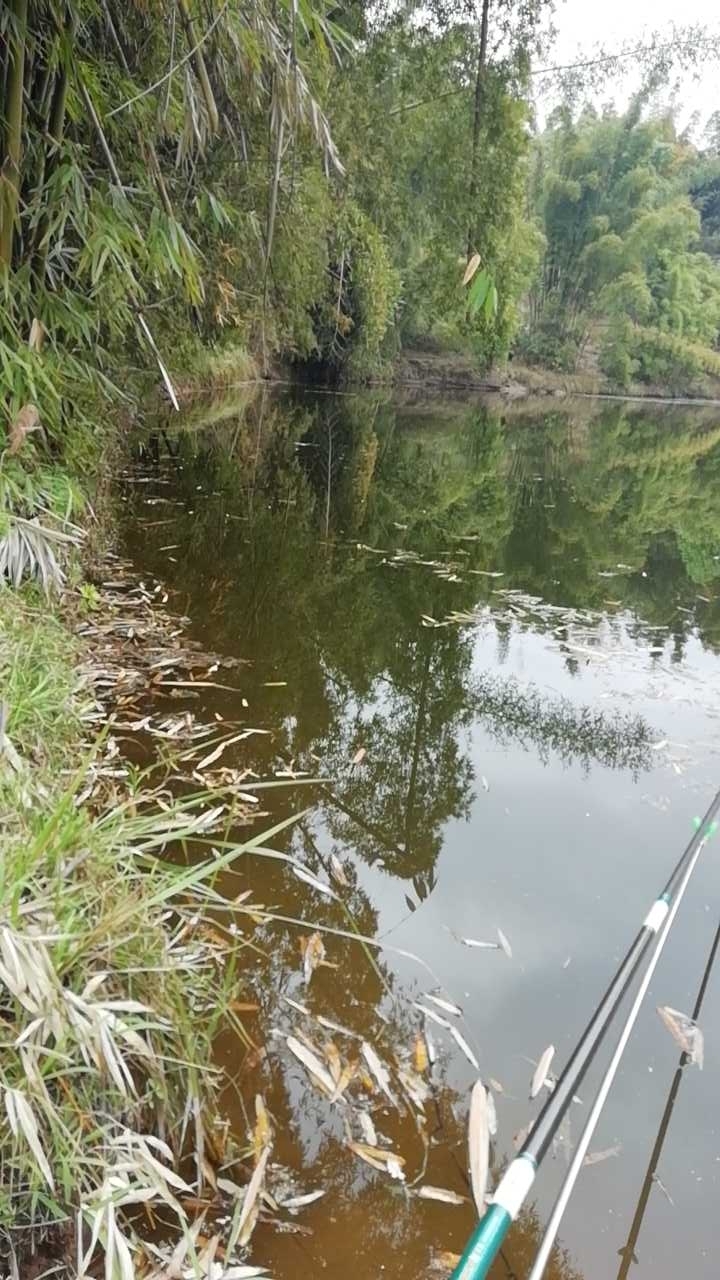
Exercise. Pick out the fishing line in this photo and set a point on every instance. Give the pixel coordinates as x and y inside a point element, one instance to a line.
<point>568,1185</point>
<point>485,1242</point>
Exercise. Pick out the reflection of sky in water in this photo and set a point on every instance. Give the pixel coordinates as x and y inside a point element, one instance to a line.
<point>564,856</point>
<point>567,864</point>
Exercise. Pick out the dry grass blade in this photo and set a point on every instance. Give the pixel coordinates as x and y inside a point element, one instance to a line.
<point>22,1121</point>
<point>246,1216</point>
<point>479,1145</point>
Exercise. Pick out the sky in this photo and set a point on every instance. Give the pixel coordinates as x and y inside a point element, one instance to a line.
<point>582,24</point>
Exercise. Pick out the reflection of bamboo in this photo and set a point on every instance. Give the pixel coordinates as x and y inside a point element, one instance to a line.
<point>627,1253</point>
<point>417,745</point>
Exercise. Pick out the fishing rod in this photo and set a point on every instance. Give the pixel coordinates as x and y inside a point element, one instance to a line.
<point>601,1097</point>
<point>627,1253</point>
<point>488,1236</point>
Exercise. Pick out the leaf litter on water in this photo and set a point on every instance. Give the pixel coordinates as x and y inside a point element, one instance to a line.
<point>684,1032</point>
<point>441,1194</point>
<point>378,1070</point>
<point>479,1145</point>
<point>504,944</point>
<point>463,1045</point>
<point>541,1071</point>
<point>597,1157</point>
<point>446,1005</point>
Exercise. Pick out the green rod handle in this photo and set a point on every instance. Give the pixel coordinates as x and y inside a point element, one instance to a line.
<point>483,1245</point>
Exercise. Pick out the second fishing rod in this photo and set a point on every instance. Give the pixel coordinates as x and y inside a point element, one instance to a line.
<point>485,1243</point>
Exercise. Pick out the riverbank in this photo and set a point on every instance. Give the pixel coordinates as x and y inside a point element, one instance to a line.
<point>415,373</point>
<point>116,975</point>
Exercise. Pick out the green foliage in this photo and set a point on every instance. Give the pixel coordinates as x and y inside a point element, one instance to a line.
<point>623,250</point>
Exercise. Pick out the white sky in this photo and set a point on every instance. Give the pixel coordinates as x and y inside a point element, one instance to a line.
<point>581,24</point>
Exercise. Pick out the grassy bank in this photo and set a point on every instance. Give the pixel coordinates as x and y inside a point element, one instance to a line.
<point>112,983</point>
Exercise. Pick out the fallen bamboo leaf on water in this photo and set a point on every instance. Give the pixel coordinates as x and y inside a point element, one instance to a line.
<point>443,1262</point>
<point>338,871</point>
<point>479,1145</point>
<point>495,1085</point>
<point>369,1132</point>
<point>440,1194</point>
<point>301,1202</point>
<point>313,954</point>
<point>312,1064</point>
<point>446,1005</point>
<point>597,1157</point>
<point>492,1115</point>
<point>463,1045</point>
<point>541,1071</point>
<point>486,946</point>
<point>420,1054</point>
<point>504,944</point>
<point>308,878</point>
<point>379,1158</point>
<point>378,1070</point>
<point>359,756</point>
<point>686,1033</point>
<point>244,1224</point>
<point>434,1017</point>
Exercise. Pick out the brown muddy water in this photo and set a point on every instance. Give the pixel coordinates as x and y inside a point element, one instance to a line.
<point>512,627</point>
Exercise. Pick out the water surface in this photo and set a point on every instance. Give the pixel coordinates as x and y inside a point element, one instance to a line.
<point>516,618</point>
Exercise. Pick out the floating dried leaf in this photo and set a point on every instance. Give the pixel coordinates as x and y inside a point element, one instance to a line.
<point>359,756</point>
<point>301,1202</point>
<point>486,946</point>
<point>313,954</point>
<point>445,1005</point>
<point>420,1054</point>
<point>369,1132</point>
<point>443,1262</point>
<point>684,1032</point>
<point>442,1194</point>
<point>307,877</point>
<point>492,1115</point>
<point>338,871</point>
<point>435,1017</point>
<point>479,1145</point>
<point>312,1064</point>
<point>379,1158</point>
<point>504,944</point>
<point>462,1044</point>
<point>541,1071</point>
<point>378,1070</point>
<point>597,1157</point>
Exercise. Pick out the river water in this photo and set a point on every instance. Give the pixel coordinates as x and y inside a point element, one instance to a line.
<point>495,634</point>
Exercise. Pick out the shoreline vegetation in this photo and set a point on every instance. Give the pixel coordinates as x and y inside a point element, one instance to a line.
<point>117,968</point>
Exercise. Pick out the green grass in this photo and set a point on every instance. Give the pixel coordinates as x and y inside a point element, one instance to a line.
<point>114,979</point>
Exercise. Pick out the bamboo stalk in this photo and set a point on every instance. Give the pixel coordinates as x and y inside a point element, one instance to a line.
<point>13,113</point>
<point>198,61</point>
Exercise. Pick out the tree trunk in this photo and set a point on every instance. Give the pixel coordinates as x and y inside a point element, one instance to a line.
<point>12,111</point>
<point>477,120</point>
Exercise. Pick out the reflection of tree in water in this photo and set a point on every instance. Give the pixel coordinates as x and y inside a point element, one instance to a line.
<point>417,777</point>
